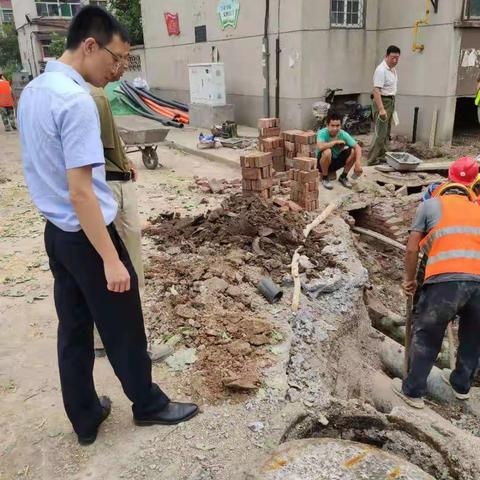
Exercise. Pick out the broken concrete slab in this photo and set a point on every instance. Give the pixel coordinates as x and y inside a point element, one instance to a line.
<point>330,281</point>
<point>182,359</point>
<point>327,459</point>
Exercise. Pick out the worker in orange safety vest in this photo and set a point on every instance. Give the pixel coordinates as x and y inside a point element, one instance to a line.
<point>447,229</point>
<point>7,103</point>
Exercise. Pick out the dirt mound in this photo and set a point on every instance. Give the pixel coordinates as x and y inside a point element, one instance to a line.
<point>243,222</point>
<point>205,278</point>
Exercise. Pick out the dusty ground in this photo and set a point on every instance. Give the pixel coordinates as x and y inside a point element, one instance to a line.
<point>36,440</point>
<point>257,366</point>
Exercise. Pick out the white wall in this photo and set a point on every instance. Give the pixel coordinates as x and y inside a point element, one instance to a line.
<point>314,56</point>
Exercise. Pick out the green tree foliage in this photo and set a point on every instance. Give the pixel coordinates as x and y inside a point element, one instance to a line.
<point>129,13</point>
<point>10,60</point>
<point>57,45</point>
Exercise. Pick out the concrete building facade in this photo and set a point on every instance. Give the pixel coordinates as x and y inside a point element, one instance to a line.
<point>36,21</point>
<point>324,44</point>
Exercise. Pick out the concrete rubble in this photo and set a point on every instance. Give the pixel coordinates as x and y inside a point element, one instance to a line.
<point>327,357</point>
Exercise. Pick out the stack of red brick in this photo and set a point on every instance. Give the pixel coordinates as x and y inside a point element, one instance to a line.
<point>271,141</point>
<point>298,143</point>
<point>305,182</point>
<point>391,218</point>
<point>257,174</point>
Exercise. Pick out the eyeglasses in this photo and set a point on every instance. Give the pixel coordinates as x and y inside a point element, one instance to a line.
<point>119,61</point>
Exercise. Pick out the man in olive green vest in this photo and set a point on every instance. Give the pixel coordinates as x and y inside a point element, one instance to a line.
<point>121,175</point>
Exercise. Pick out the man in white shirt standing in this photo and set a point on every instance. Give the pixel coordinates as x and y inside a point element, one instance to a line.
<point>385,83</point>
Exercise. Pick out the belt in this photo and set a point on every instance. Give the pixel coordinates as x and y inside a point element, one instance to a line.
<point>118,176</point>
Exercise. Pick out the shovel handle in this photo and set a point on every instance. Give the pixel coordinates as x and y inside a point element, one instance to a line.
<point>408,336</point>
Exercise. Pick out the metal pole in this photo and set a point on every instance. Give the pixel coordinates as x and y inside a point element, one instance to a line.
<point>415,125</point>
<point>266,63</point>
<point>277,67</point>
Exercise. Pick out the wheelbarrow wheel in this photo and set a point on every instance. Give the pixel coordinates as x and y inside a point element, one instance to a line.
<point>150,158</point>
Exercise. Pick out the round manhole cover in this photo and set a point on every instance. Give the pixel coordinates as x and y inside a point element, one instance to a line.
<point>331,459</point>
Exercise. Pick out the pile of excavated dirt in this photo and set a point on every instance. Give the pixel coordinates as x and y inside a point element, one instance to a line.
<point>462,144</point>
<point>205,277</point>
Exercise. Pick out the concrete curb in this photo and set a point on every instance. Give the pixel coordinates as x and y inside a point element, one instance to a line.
<point>202,154</point>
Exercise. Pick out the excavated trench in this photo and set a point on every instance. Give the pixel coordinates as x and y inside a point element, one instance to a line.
<point>358,412</point>
<point>335,362</point>
<point>378,432</point>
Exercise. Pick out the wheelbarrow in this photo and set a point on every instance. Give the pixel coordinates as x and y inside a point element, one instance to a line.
<point>141,134</point>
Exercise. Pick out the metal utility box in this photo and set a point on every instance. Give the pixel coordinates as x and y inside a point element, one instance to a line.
<point>207,84</point>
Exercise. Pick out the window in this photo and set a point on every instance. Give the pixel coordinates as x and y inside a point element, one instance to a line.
<point>472,10</point>
<point>46,48</point>
<point>6,15</point>
<point>57,8</point>
<point>201,34</point>
<point>347,13</point>
<point>99,3</point>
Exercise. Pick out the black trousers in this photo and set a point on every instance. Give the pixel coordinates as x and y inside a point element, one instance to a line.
<point>338,162</point>
<point>437,305</point>
<point>82,299</point>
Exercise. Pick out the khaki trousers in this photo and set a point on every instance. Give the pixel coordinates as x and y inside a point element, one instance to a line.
<point>127,224</point>
<point>382,132</point>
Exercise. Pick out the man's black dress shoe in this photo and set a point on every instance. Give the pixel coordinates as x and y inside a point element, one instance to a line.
<point>106,404</point>
<point>172,414</point>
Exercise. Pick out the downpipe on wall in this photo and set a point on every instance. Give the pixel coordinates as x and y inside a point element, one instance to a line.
<point>266,62</point>
<point>278,50</point>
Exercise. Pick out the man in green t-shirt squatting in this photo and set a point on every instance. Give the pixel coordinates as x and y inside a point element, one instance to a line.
<point>337,149</point>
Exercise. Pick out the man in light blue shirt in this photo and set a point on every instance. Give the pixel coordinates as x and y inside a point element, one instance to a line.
<point>95,281</point>
<point>72,115</point>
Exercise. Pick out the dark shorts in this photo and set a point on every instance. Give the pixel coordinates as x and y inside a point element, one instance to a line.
<point>338,162</point>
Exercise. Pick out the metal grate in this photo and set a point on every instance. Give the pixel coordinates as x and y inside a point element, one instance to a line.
<point>347,13</point>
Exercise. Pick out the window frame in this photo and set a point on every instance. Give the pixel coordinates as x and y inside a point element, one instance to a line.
<point>465,12</point>
<point>59,4</point>
<point>99,3</point>
<point>3,12</point>
<point>345,26</point>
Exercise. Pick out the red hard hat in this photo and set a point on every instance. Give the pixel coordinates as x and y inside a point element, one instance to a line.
<point>464,170</point>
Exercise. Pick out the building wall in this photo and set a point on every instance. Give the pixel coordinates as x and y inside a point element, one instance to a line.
<point>30,48</point>
<point>426,79</point>
<point>168,57</point>
<point>138,67</point>
<point>314,56</point>
<point>22,8</point>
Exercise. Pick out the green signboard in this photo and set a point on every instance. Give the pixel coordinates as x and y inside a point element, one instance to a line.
<point>228,11</point>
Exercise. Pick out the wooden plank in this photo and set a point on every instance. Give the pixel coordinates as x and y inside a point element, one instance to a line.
<point>423,167</point>
<point>321,218</point>
<point>379,236</point>
<point>297,286</point>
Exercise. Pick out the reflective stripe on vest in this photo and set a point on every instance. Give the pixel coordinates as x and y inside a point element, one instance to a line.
<point>453,246</point>
<point>6,98</point>
<point>448,231</point>
<point>477,99</point>
<point>452,254</point>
